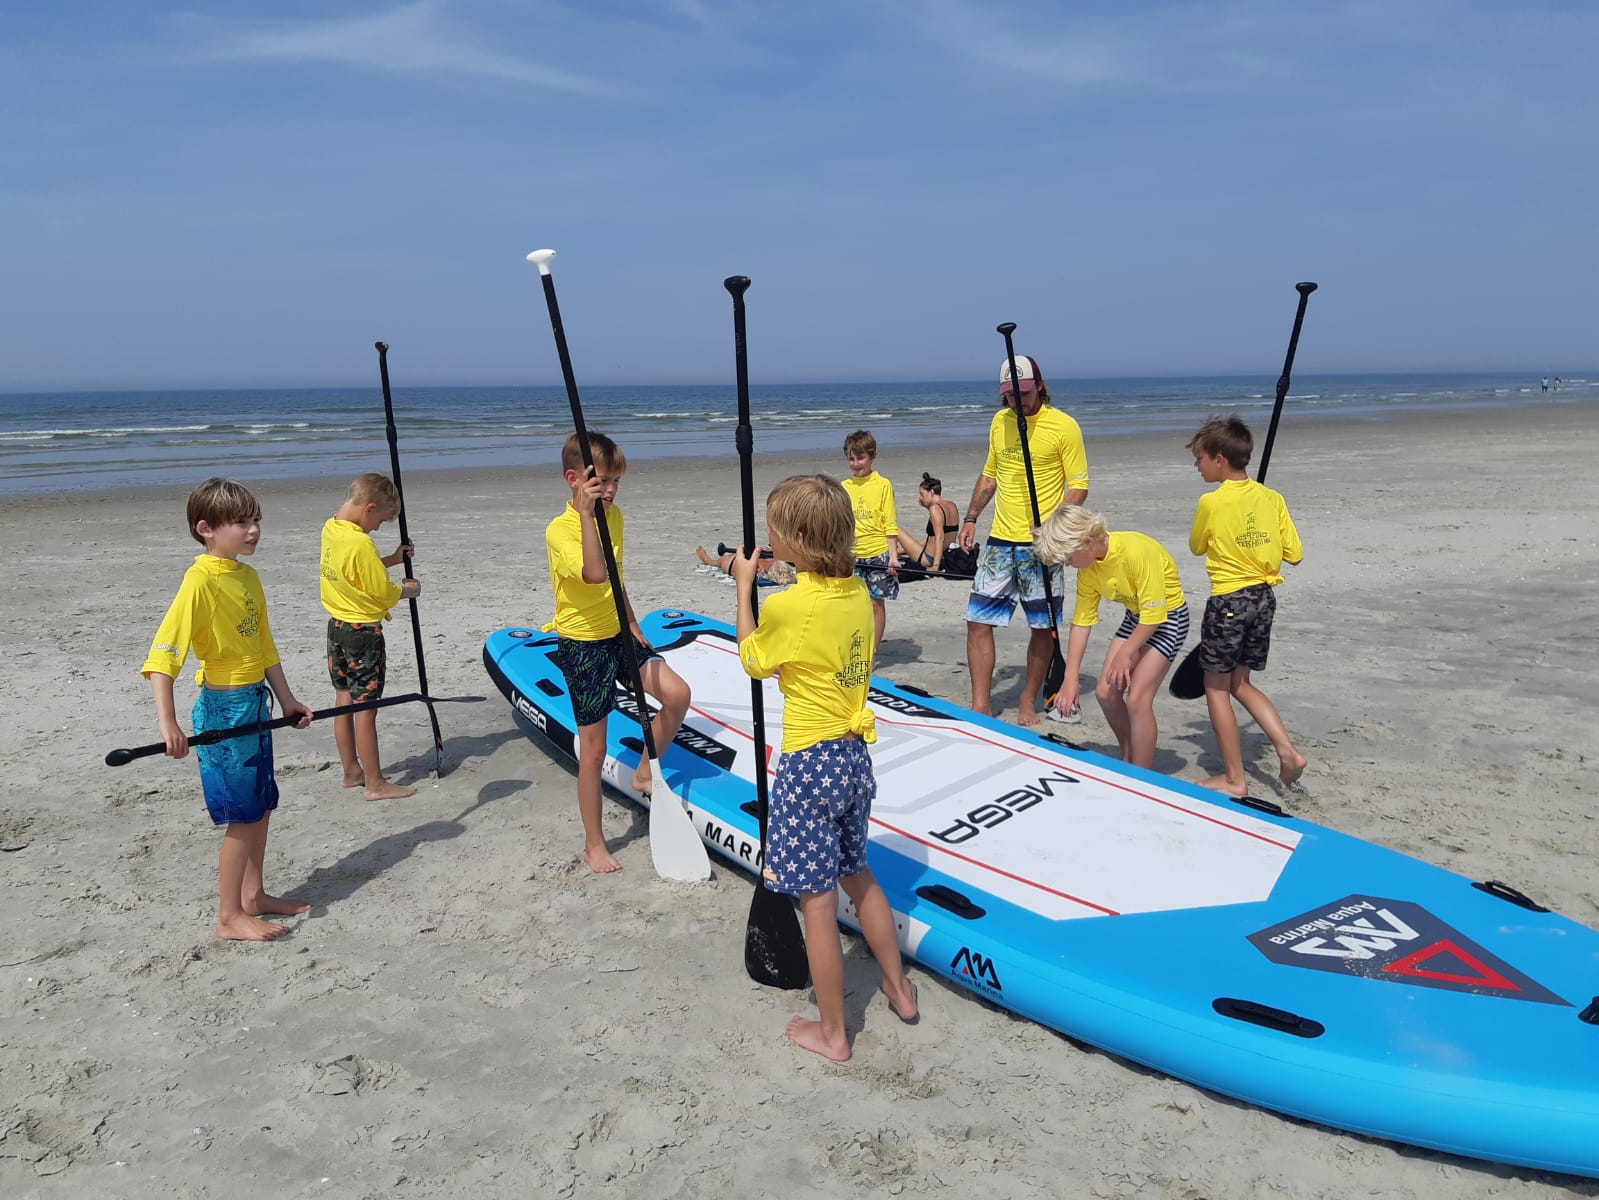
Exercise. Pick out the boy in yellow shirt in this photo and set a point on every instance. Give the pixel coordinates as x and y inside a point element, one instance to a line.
<point>1135,571</point>
<point>876,527</point>
<point>813,637</point>
<point>358,594</point>
<point>589,649</point>
<point>220,614</point>
<point>1245,533</point>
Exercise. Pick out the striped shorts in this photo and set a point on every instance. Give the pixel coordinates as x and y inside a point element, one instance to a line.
<point>1168,637</point>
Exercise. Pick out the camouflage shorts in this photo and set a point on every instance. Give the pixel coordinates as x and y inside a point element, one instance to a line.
<point>357,658</point>
<point>1236,630</point>
<point>882,583</point>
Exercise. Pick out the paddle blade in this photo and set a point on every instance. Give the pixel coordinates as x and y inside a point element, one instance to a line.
<point>675,849</point>
<point>774,947</point>
<point>1188,680</point>
<point>1054,677</point>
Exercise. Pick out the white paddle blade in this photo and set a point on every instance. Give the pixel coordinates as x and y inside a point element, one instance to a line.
<point>675,848</point>
<point>541,260</point>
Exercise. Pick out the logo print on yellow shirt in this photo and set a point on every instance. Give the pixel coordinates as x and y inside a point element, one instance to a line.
<point>858,669</point>
<point>251,624</point>
<point>1251,536</point>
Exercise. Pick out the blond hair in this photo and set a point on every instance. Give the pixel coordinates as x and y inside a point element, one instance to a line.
<point>607,455</point>
<point>813,514</point>
<point>375,488</point>
<point>1067,530</point>
<point>218,502</point>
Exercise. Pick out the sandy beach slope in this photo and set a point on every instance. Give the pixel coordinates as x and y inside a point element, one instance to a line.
<point>467,1012</point>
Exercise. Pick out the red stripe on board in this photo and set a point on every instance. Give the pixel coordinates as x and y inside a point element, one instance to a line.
<point>1033,883</point>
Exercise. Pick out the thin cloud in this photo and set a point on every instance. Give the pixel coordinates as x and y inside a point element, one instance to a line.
<point>412,39</point>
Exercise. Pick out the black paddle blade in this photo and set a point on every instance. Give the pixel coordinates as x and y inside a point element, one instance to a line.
<point>1188,680</point>
<point>1054,677</point>
<point>774,947</point>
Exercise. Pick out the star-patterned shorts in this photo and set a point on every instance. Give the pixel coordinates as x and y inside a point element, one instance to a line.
<point>816,823</point>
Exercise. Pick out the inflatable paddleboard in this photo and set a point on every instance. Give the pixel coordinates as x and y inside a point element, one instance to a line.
<point>1243,950</point>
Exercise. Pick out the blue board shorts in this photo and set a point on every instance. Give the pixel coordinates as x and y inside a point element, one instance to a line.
<point>240,787</point>
<point>592,671</point>
<point>1008,572</point>
<point>817,820</point>
<point>881,583</point>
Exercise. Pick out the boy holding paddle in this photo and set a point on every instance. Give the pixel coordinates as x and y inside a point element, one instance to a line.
<point>590,649</point>
<point>817,638</point>
<point>220,614</point>
<point>358,594</point>
<point>1245,533</point>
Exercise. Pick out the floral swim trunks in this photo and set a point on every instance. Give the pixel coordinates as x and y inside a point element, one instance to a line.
<point>880,582</point>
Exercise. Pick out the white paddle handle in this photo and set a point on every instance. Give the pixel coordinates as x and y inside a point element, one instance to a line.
<point>541,260</point>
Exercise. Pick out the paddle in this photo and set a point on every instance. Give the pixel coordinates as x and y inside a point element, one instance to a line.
<point>1188,680</point>
<point>211,737</point>
<point>774,948</point>
<point>1056,674</point>
<point>675,847</point>
<point>405,538</point>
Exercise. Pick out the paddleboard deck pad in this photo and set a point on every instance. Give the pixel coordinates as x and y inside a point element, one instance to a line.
<point>1243,950</point>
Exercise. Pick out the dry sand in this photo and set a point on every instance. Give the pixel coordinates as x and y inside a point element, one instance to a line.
<point>467,1012</point>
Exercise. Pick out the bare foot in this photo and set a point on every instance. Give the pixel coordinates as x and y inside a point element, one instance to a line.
<point>389,791</point>
<point>601,861</point>
<point>1292,768</point>
<point>245,928</point>
<point>807,1035</point>
<point>985,709</point>
<point>905,1007</point>
<point>1026,716</point>
<point>357,779</point>
<point>643,780</point>
<point>277,906</point>
<point>704,557</point>
<point>1220,783</point>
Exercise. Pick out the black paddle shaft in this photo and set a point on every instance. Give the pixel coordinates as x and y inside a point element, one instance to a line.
<point>405,537</point>
<point>1057,666</point>
<point>635,680</point>
<point>774,948</point>
<point>1304,290</point>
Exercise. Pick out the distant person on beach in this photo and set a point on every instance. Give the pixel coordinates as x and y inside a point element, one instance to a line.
<point>1245,533</point>
<point>770,569</point>
<point>1008,570</point>
<point>876,526</point>
<point>220,613</point>
<point>589,648</point>
<point>817,639</point>
<point>943,527</point>
<point>358,594</point>
<point>1544,385</point>
<point>1135,571</point>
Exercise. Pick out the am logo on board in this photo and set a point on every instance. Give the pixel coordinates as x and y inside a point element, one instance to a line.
<point>977,969</point>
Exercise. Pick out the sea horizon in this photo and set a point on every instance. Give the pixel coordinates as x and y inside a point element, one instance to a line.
<point>67,441</point>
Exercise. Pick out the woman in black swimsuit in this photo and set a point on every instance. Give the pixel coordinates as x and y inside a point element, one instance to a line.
<point>943,526</point>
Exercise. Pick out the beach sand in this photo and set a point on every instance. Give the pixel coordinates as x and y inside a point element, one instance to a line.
<point>466,1011</point>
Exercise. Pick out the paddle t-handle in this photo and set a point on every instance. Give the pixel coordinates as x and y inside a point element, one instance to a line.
<point>1006,328</point>
<point>541,260</point>
<point>737,285</point>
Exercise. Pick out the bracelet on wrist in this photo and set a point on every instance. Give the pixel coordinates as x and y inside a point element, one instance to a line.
<point>970,518</point>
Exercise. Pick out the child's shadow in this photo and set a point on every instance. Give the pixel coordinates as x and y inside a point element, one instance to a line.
<point>341,880</point>
<point>898,650</point>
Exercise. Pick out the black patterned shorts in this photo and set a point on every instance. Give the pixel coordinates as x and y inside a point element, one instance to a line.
<point>358,660</point>
<point>1236,631</point>
<point>592,671</point>
<point>881,583</point>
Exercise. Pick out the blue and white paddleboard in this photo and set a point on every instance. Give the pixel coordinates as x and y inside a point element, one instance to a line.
<point>1243,950</point>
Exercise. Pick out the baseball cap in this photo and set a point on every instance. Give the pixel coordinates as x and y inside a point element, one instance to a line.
<point>1027,373</point>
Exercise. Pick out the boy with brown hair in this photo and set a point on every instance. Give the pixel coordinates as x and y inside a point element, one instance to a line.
<point>876,527</point>
<point>590,649</point>
<point>1245,533</point>
<point>220,614</point>
<point>358,594</point>
<point>816,637</point>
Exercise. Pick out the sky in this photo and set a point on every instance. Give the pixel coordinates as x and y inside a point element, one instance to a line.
<point>252,192</point>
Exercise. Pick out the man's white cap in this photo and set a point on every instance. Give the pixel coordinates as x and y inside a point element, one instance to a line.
<point>1026,370</point>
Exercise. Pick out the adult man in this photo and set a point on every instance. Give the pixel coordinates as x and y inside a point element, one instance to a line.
<point>1007,571</point>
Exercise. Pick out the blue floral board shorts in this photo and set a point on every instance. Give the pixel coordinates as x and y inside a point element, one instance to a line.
<point>1008,572</point>
<point>816,825</point>
<point>593,669</point>
<point>240,787</point>
<point>881,583</point>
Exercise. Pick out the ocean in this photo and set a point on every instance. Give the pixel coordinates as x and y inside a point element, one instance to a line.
<point>75,441</point>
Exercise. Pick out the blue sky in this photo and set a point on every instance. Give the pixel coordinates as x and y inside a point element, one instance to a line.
<point>251,193</point>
